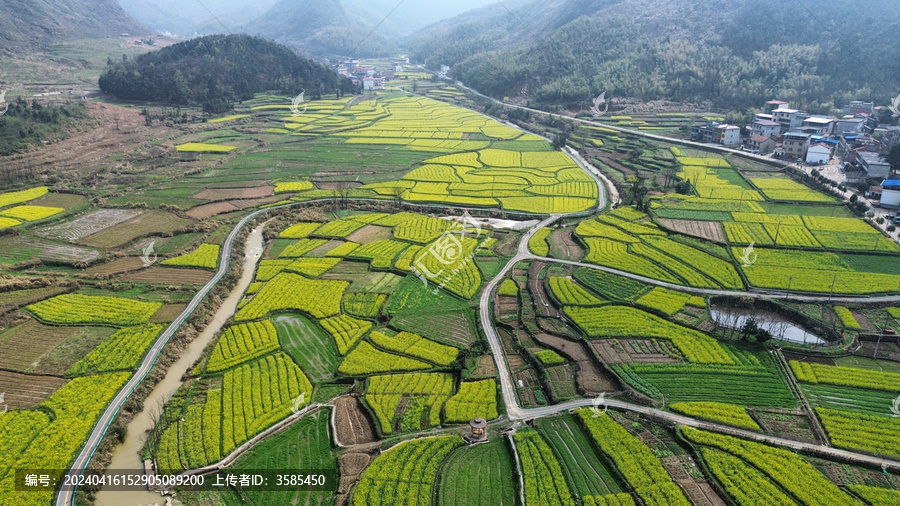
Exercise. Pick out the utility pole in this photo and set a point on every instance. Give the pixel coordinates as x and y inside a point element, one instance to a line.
<point>790,282</point>
<point>833,281</point>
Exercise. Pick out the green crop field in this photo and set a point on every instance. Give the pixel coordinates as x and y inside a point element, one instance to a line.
<point>308,345</point>
<point>480,475</point>
<point>585,471</point>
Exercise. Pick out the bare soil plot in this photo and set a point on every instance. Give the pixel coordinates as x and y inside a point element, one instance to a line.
<point>36,348</point>
<point>23,247</point>
<point>864,321</point>
<point>627,351</point>
<point>167,313</point>
<point>244,204</point>
<point>887,350</point>
<point>352,426</point>
<point>24,391</point>
<point>700,494</point>
<point>563,245</point>
<point>507,244</point>
<point>370,233</point>
<point>325,248</point>
<point>710,230</point>
<point>331,185</point>
<point>208,210</point>
<point>151,222</point>
<point>486,368</point>
<point>351,467</point>
<point>590,377</point>
<point>116,267</point>
<point>235,193</point>
<point>89,224</point>
<point>170,276</point>
<point>543,304</point>
<point>506,308</point>
<point>20,298</point>
<point>783,423</point>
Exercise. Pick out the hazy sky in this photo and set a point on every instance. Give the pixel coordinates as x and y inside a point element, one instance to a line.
<point>184,17</point>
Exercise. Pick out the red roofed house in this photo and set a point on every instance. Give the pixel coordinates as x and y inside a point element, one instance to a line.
<point>760,144</point>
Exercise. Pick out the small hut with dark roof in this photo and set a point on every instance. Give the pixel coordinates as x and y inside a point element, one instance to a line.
<point>477,431</point>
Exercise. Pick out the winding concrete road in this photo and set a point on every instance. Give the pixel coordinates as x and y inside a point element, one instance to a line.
<point>516,412</point>
<point>66,496</point>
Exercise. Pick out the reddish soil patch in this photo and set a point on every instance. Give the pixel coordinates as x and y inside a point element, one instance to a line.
<point>352,426</point>
<point>209,210</point>
<point>116,266</point>
<point>370,233</point>
<point>710,230</point>
<point>24,391</point>
<point>235,193</point>
<point>170,276</point>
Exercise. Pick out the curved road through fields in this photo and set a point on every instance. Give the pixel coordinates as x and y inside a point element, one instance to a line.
<point>515,412</point>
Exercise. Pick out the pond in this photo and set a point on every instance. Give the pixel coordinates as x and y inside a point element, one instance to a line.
<point>780,327</point>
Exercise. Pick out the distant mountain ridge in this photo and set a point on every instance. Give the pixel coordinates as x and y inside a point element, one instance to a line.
<point>725,53</point>
<point>29,25</point>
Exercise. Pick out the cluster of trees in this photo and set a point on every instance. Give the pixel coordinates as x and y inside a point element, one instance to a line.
<point>28,124</point>
<point>218,70</point>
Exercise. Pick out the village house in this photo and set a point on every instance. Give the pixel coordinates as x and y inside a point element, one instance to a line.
<point>795,145</point>
<point>819,154</point>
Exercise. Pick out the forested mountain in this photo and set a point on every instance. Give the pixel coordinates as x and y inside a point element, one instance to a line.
<point>216,71</point>
<point>321,28</point>
<point>29,25</point>
<point>728,53</point>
